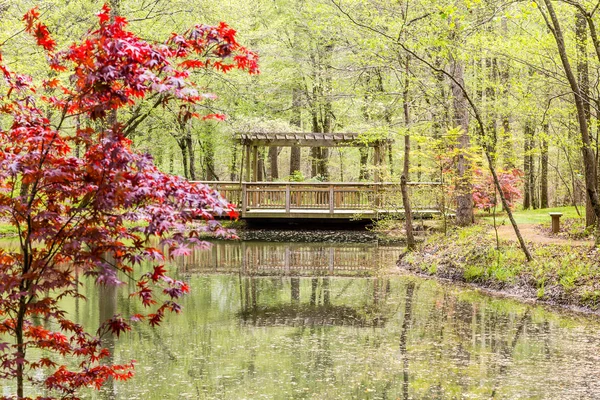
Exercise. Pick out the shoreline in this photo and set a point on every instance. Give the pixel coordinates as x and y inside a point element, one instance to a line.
<point>469,257</point>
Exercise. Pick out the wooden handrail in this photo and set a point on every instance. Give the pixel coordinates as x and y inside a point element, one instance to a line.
<point>325,184</point>
<point>321,197</point>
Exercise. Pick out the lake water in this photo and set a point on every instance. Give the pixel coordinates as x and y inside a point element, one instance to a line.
<point>300,321</point>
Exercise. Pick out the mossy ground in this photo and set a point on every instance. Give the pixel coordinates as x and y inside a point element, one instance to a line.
<point>562,274</point>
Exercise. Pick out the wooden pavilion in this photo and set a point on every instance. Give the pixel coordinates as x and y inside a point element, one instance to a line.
<point>251,143</point>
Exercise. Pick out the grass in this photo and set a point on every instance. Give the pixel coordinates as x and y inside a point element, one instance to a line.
<point>7,229</point>
<point>539,216</point>
<point>563,274</point>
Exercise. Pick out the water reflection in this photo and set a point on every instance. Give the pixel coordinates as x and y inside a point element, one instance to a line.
<point>292,259</point>
<point>266,328</point>
<point>317,308</point>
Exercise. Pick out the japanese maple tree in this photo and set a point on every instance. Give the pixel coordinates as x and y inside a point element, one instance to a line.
<point>96,213</point>
<point>484,190</point>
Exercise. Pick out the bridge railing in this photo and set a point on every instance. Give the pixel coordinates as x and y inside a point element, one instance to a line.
<point>328,196</point>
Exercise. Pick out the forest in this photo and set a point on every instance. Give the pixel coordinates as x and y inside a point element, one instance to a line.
<point>384,70</point>
<point>120,124</point>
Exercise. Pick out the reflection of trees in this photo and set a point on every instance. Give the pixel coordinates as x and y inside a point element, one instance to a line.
<point>107,308</point>
<point>406,323</point>
<point>316,309</point>
<point>295,289</point>
<point>507,352</point>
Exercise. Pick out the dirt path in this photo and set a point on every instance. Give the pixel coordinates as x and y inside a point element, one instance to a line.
<point>531,234</point>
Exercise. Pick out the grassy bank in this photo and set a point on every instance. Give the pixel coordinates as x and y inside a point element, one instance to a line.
<point>562,274</point>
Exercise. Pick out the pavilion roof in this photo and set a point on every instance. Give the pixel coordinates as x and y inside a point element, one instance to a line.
<point>270,139</point>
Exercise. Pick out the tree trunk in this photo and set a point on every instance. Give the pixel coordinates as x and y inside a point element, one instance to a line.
<point>273,152</point>
<point>191,156</point>
<point>464,196</point>
<point>261,166</point>
<point>364,160</point>
<point>583,80</point>
<point>410,239</point>
<point>295,120</point>
<point>233,166</point>
<point>528,190</point>
<point>324,163</point>
<point>294,159</point>
<point>184,157</point>
<point>589,158</point>
<point>508,157</point>
<point>315,156</point>
<point>209,160</point>
<point>544,169</point>
<point>21,349</point>
<point>491,65</point>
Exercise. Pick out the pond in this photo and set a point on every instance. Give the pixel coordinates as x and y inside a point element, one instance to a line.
<point>322,321</point>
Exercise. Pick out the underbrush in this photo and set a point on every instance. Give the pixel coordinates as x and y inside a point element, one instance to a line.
<point>570,228</point>
<point>568,275</point>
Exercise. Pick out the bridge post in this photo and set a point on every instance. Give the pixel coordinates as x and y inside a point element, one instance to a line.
<point>244,199</point>
<point>331,203</point>
<point>287,198</point>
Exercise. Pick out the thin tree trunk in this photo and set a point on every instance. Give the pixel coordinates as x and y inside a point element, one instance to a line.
<point>410,240</point>
<point>544,169</point>
<point>295,120</point>
<point>233,166</point>
<point>21,350</point>
<point>184,157</point>
<point>508,158</point>
<point>209,160</point>
<point>491,65</point>
<point>528,168</point>
<point>191,156</point>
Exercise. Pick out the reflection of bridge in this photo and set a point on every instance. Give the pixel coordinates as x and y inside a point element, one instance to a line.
<point>327,200</point>
<point>290,259</point>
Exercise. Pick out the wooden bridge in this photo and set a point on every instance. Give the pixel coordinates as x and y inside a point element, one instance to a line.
<point>328,200</point>
<point>323,200</point>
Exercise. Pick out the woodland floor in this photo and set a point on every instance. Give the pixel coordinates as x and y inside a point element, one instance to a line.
<point>532,233</point>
